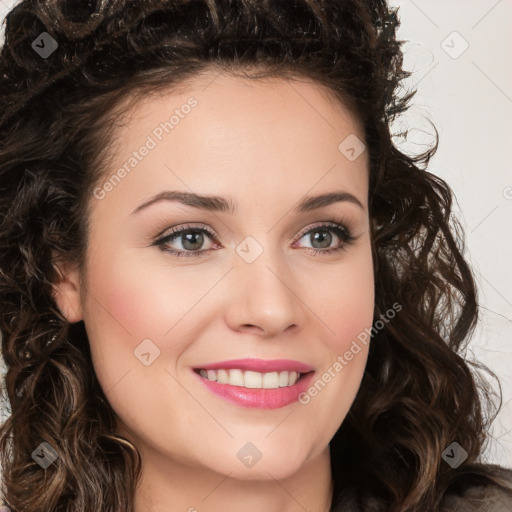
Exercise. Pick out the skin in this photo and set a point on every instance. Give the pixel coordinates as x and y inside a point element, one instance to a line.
<point>264,145</point>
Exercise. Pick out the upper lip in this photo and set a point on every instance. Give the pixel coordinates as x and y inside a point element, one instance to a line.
<point>259,365</point>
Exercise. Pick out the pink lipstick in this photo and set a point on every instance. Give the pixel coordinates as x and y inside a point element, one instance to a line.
<point>256,383</point>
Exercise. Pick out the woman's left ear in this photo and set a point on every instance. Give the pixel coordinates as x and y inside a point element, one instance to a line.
<point>66,290</point>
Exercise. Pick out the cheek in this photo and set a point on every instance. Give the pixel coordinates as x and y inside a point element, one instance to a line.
<point>127,307</point>
<point>347,308</point>
<point>123,307</point>
<point>345,302</point>
<point>135,300</point>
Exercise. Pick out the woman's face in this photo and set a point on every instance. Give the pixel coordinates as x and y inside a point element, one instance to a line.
<point>156,312</point>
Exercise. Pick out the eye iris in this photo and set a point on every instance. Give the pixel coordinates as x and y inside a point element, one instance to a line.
<point>188,237</point>
<point>322,238</point>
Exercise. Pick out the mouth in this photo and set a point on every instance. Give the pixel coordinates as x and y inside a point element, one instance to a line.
<point>257,390</point>
<point>252,379</point>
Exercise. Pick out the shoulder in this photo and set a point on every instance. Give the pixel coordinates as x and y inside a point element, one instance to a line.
<point>489,498</point>
<point>465,498</point>
<point>479,498</point>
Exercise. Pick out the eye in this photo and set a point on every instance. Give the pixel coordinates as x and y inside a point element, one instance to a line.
<point>323,237</point>
<point>192,239</point>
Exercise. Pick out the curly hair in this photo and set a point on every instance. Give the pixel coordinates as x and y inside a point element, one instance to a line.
<point>57,118</point>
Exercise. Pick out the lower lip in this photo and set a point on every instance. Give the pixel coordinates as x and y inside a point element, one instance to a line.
<point>259,398</point>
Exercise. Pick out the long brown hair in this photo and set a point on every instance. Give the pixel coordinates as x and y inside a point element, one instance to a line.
<point>57,113</point>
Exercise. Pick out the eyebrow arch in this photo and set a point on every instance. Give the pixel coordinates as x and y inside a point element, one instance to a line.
<point>219,204</point>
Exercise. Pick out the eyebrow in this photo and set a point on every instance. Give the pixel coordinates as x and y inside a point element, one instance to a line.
<point>220,204</point>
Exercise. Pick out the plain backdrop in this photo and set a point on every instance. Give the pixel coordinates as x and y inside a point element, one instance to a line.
<point>460,53</point>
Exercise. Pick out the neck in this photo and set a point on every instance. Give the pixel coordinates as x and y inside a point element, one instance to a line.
<point>167,485</point>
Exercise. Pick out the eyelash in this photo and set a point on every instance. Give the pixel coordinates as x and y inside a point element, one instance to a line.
<point>342,232</point>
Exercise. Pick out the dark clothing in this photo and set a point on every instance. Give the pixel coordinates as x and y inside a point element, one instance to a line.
<point>488,498</point>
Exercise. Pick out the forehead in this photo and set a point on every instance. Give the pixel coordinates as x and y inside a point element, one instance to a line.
<point>218,132</point>
<point>232,101</point>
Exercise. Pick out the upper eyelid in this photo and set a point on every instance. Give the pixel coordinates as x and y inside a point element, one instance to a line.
<point>323,224</point>
<point>178,230</point>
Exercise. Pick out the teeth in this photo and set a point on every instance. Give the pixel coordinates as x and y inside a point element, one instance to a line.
<point>249,379</point>
<point>235,378</point>
<point>222,376</point>
<point>269,380</point>
<point>252,379</point>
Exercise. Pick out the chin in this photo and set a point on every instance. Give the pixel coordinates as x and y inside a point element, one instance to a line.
<point>279,464</point>
<point>272,470</point>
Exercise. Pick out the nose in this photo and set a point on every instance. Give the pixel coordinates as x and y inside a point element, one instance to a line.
<point>263,300</point>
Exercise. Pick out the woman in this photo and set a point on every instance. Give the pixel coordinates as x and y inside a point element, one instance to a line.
<point>222,286</point>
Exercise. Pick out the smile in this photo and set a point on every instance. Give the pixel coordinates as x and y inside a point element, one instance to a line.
<point>251,379</point>
<point>256,383</point>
